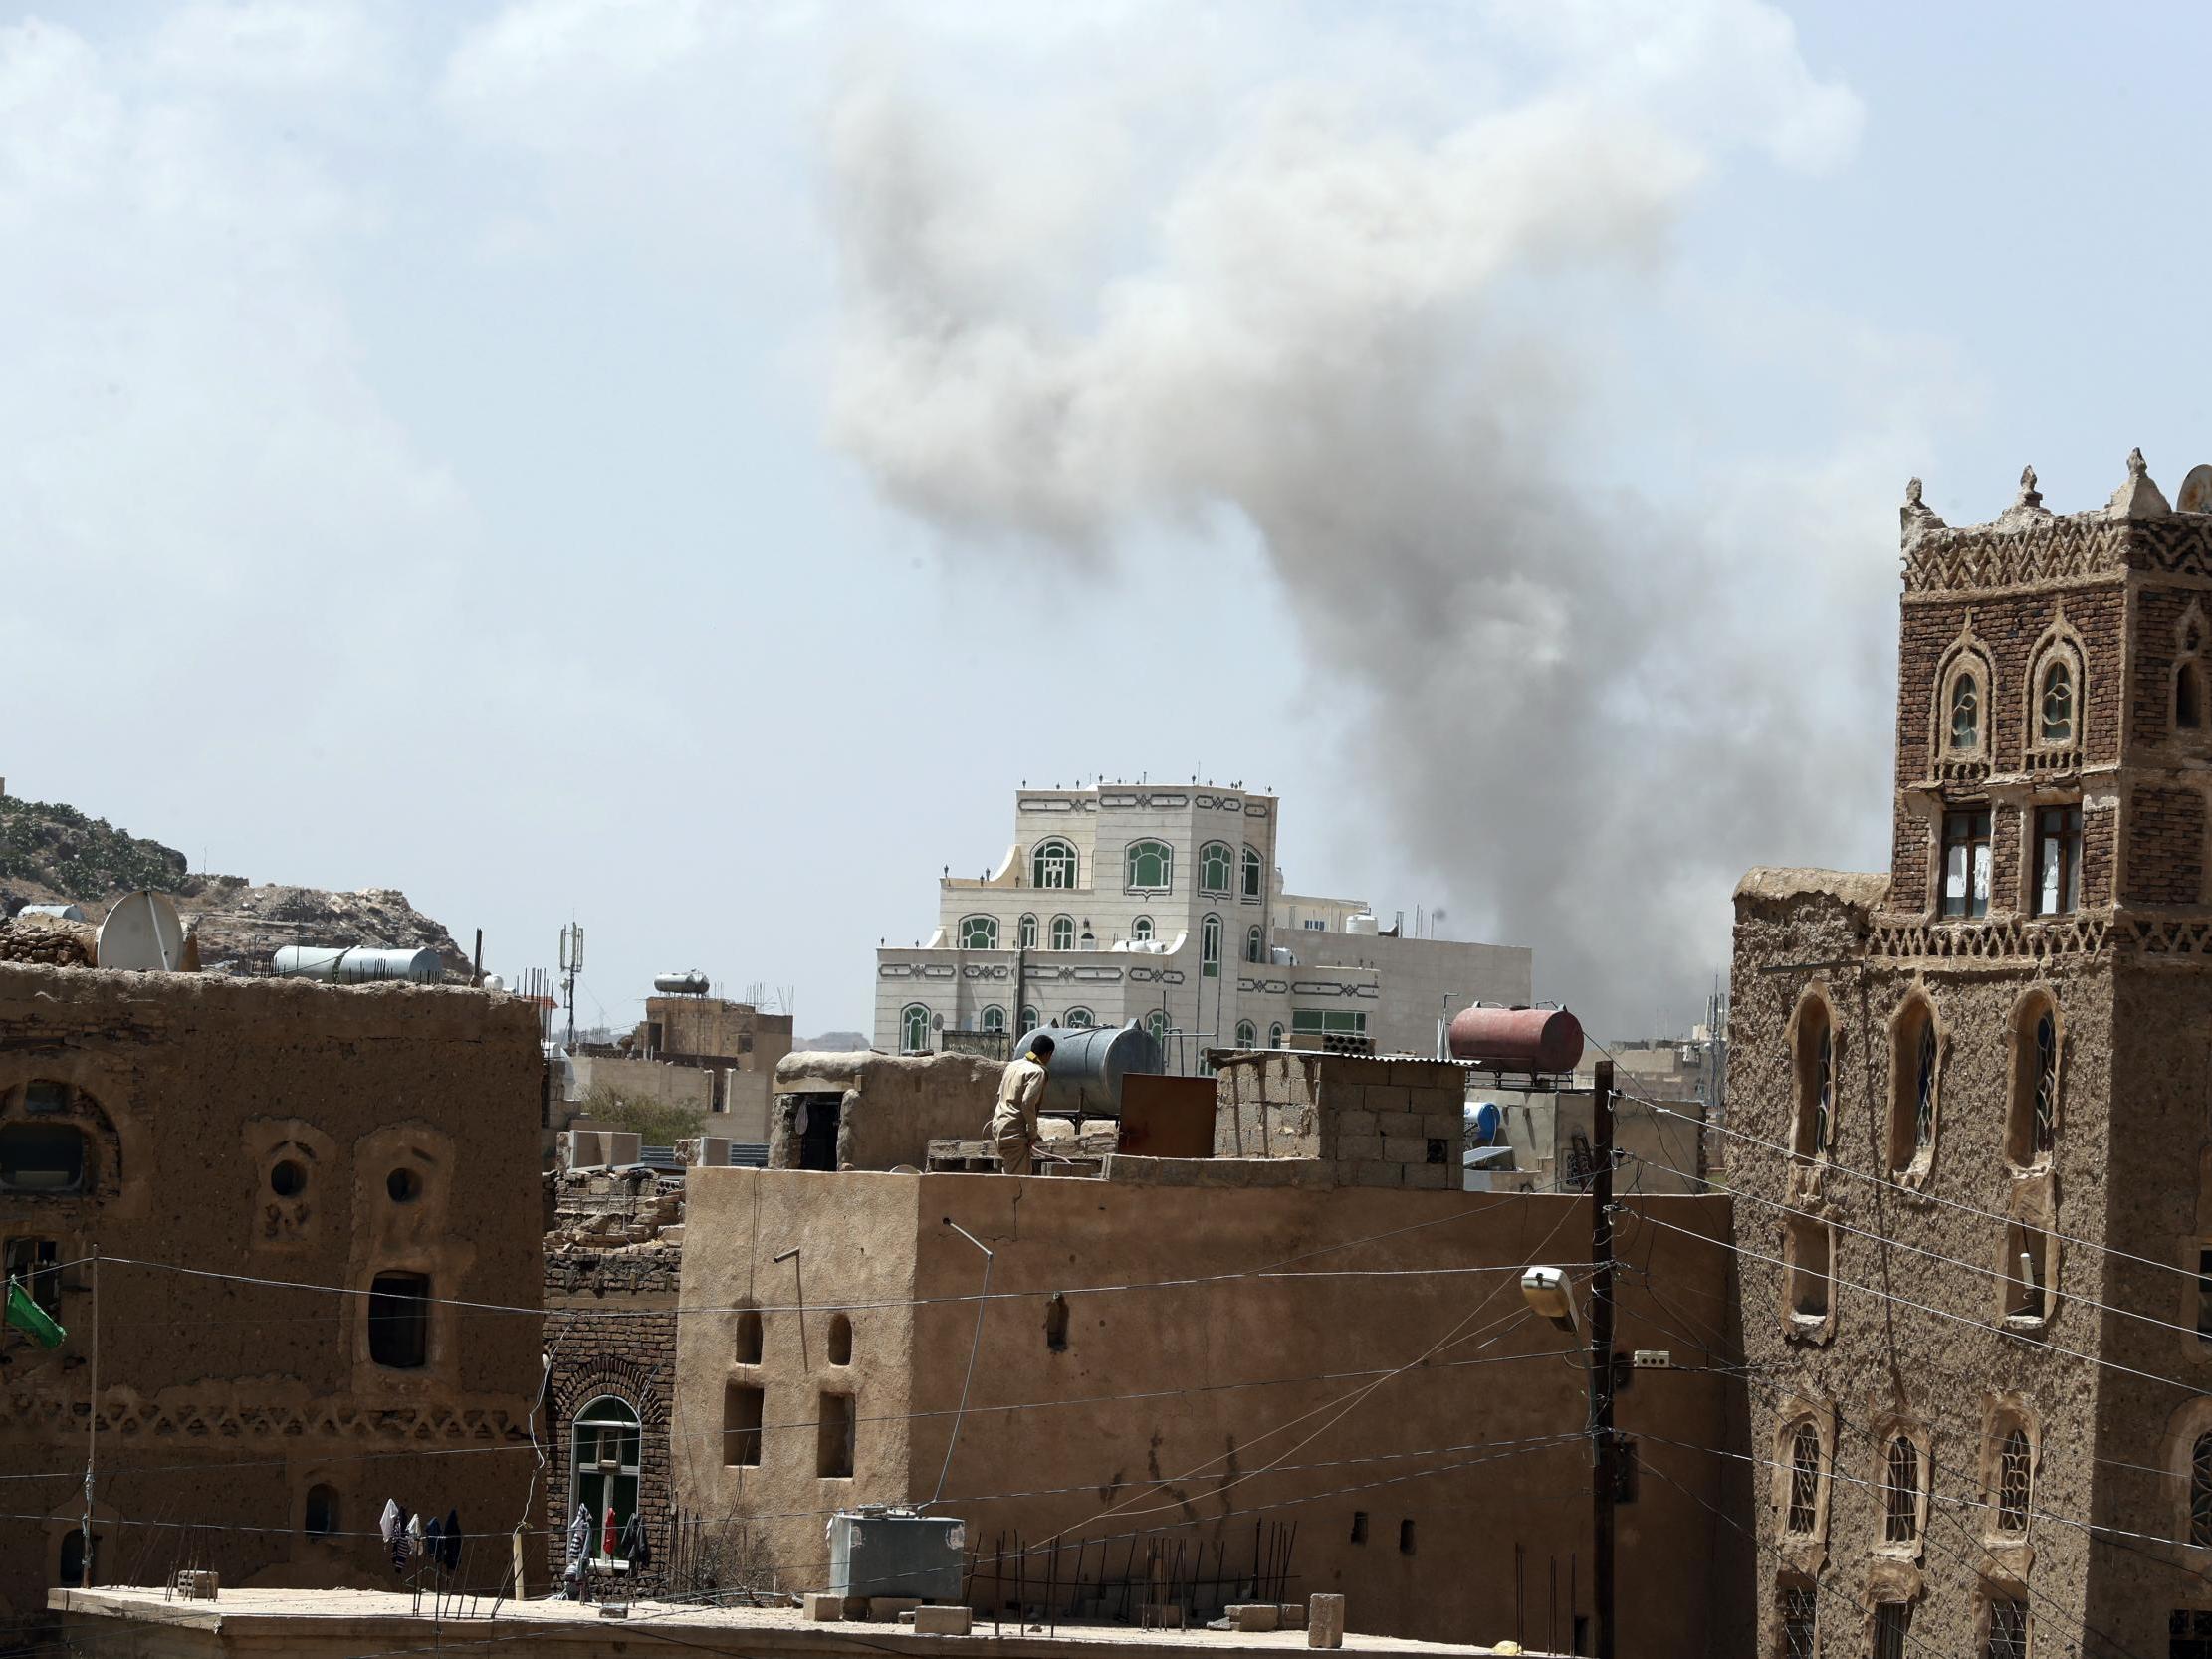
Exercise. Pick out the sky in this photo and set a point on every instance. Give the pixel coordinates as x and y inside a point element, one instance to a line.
<point>681,466</point>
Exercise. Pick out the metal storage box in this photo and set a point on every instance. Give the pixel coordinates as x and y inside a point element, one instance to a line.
<point>876,1552</point>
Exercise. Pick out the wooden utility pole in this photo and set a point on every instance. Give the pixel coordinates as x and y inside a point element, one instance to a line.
<point>1604,1477</point>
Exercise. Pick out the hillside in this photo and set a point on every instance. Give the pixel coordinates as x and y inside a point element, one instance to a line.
<point>52,853</point>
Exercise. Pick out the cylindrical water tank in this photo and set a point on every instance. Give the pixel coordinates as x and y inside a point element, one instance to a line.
<point>1362,925</point>
<point>1518,1039</point>
<point>693,983</point>
<point>1088,1064</point>
<point>356,964</point>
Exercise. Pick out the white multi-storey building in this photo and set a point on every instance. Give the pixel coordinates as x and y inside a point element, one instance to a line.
<point>1159,903</point>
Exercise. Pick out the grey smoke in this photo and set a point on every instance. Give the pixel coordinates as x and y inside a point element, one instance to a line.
<point>1364,341</point>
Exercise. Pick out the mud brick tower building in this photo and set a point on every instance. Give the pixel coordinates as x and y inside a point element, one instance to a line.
<point>1976,1096</point>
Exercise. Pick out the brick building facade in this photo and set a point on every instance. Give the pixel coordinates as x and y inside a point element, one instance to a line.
<point>1969,1085</point>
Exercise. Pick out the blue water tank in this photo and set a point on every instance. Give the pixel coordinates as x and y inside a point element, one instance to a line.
<point>1485,1123</point>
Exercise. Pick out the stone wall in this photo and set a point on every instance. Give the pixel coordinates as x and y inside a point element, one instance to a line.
<point>892,1105</point>
<point>290,1131</point>
<point>1377,1123</point>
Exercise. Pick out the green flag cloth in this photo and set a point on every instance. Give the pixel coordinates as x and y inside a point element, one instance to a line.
<point>26,1314</point>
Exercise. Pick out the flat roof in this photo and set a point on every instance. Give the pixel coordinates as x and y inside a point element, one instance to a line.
<point>388,1619</point>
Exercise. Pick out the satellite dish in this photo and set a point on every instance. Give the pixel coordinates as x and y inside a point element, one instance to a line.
<point>142,933</point>
<point>2197,490</point>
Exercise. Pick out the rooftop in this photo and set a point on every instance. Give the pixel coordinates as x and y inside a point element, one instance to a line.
<point>334,1622</point>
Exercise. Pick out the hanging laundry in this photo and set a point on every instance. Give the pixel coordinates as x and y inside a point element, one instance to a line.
<point>414,1535</point>
<point>579,1541</point>
<point>606,1536</point>
<point>637,1548</point>
<point>433,1541</point>
<point>394,1527</point>
<point>452,1558</point>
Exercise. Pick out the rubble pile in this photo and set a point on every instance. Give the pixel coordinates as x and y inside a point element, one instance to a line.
<point>48,939</point>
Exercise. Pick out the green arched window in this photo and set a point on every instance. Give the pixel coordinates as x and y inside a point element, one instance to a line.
<point>603,1460</point>
<point>1255,874</point>
<point>1216,862</point>
<point>979,932</point>
<point>1151,866</point>
<point>1256,945</point>
<point>1026,932</point>
<point>1248,1034</point>
<point>1141,929</point>
<point>1052,864</point>
<point>914,1029</point>
<point>1078,1019</point>
<point>1063,932</point>
<point>1274,1035</point>
<point>1210,947</point>
<point>1028,1018</point>
<point>1157,1023</point>
<point>995,1018</point>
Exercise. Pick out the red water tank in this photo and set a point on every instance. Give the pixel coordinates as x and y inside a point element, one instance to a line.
<point>1518,1039</point>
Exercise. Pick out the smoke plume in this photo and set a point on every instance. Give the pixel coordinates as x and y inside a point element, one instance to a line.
<point>1367,339</point>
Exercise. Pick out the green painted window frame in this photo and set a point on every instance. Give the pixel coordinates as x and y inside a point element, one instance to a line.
<point>979,932</point>
<point>1217,869</point>
<point>1049,861</point>
<point>1158,856</point>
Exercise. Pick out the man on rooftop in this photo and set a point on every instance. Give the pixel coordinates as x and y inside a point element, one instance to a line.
<point>1013,1122</point>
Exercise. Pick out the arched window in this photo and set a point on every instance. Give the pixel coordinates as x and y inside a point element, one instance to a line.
<point>914,1029</point>
<point>42,1157</point>
<point>840,1340</point>
<point>1256,945</point>
<point>1256,875</point>
<point>995,1018</point>
<point>1078,1019</point>
<point>1274,1035</point>
<point>1210,947</point>
<point>1157,1023</point>
<point>1901,1491</point>
<point>745,1347</point>
<point>318,1517</point>
<point>1912,1078</point>
<point>1805,1482</point>
<point>1026,932</point>
<point>1965,704</point>
<point>1052,864</point>
<point>2054,703</point>
<point>1139,929</point>
<point>603,1458</point>
<point>1216,868</point>
<point>1150,866</point>
<point>1816,1078</point>
<point>2031,1124</point>
<point>1063,932</point>
<point>979,932</point>
<point>2200,1491</point>
<point>1248,1034</point>
<point>1028,1018</point>
<point>2015,1478</point>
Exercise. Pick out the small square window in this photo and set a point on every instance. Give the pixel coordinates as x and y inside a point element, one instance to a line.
<point>46,1096</point>
<point>33,1262</point>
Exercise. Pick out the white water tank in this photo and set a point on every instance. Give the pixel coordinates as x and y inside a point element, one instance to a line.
<point>1363,925</point>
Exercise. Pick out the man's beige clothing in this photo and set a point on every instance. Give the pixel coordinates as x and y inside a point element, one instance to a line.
<point>1013,1122</point>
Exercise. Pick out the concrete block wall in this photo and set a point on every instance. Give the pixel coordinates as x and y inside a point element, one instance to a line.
<point>1376,1123</point>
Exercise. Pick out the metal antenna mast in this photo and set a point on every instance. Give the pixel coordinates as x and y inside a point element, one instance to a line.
<point>571,965</point>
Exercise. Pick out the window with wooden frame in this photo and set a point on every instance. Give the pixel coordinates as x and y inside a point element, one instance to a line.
<point>1965,861</point>
<point>1802,1516</point>
<point>2007,1636</point>
<point>2058,873</point>
<point>1816,1078</point>
<point>2032,1116</point>
<point>1915,1058</point>
<point>1893,1628</point>
<point>1797,1610</point>
<point>2016,1473</point>
<point>35,1264</point>
<point>2200,1491</point>
<point>1901,1491</point>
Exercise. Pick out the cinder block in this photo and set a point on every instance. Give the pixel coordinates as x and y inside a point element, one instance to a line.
<point>824,1609</point>
<point>885,1609</point>
<point>1433,1177</point>
<point>1381,1097</point>
<point>1252,1618</point>
<point>943,1621</point>
<point>1357,1148</point>
<point>1325,1621</point>
<point>1293,1615</point>
<point>1447,1125</point>
<point>1355,1121</point>
<point>1405,1149</point>
<point>1401,1123</point>
<point>1435,1100</point>
<point>1379,1172</point>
